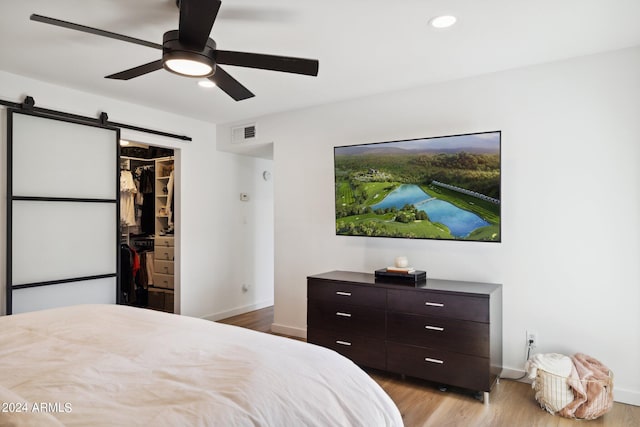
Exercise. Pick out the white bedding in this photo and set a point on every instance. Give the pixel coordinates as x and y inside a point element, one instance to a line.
<point>99,365</point>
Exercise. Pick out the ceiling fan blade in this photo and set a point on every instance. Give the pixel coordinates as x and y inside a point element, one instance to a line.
<point>287,64</point>
<point>196,20</point>
<point>91,30</point>
<point>136,71</point>
<point>229,85</point>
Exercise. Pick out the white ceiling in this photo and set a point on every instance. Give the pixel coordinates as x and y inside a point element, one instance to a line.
<point>364,46</point>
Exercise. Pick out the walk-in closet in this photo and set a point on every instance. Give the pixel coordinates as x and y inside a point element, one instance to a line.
<point>147,224</point>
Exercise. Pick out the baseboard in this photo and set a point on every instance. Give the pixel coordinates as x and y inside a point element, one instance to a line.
<point>514,374</point>
<point>629,397</point>
<point>239,310</point>
<point>289,330</point>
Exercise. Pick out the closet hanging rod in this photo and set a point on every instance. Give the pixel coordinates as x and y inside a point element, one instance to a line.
<point>29,105</point>
<point>137,159</point>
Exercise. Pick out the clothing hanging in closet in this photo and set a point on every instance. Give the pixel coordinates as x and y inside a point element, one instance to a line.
<point>170,200</point>
<point>150,256</point>
<point>144,247</point>
<point>147,183</point>
<point>127,283</point>
<point>127,203</point>
<point>144,178</point>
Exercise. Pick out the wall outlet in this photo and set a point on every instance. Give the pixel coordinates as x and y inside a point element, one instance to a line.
<point>532,339</point>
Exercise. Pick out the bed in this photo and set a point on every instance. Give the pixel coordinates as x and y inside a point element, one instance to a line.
<point>113,365</point>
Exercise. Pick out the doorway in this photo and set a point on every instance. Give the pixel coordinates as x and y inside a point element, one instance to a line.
<point>147,226</point>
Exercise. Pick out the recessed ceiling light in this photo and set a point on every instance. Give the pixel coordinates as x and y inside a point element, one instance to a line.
<point>444,21</point>
<point>206,83</point>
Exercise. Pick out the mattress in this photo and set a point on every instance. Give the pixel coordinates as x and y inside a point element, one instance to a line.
<point>113,365</point>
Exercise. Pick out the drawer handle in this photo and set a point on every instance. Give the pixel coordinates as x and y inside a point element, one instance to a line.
<point>434,328</point>
<point>434,304</point>
<point>428,359</point>
<point>343,342</point>
<point>339,313</point>
<point>344,294</point>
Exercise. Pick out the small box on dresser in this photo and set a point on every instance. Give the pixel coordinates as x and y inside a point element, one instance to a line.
<point>445,331</point>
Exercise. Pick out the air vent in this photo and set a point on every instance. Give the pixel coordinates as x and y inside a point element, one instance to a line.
<point>244,133</point>
<point>250,132</point>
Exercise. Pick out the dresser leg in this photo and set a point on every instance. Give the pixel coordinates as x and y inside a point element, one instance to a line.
<point>485,398</point>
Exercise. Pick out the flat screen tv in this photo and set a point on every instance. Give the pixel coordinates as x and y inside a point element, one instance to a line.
<point>445,188</point>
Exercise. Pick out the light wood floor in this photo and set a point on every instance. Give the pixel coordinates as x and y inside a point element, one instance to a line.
<point>422,404</point>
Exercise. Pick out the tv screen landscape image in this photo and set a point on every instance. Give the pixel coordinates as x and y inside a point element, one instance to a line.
<point>445,188</point>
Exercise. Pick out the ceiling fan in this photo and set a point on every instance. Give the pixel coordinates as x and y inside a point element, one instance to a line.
<point>189,51</point>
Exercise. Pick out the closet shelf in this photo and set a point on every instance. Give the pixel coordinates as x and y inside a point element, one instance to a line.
<point>161,294</point>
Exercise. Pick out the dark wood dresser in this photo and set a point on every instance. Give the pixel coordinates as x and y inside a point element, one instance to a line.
<point>445,331</point>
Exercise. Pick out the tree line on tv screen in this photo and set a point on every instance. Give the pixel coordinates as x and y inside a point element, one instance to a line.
<point>356,174</point>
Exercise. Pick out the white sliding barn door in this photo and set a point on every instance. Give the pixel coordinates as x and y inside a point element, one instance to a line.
<point>62,213</point>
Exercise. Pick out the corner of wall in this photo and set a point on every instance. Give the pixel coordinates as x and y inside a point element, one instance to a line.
<point>289,330</point>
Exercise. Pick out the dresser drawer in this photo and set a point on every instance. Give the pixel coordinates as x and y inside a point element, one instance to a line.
<point>163,281</point>
<point>439,304</point>
<point>164,241</point>
<point>163,254</point>
<point>160,299</point>
<point>439,332</point>
<point>348,318</point>
<point>439,366</point>
<point>156,299</point>
<point>168,302</point>
<point>163,267</point>
<point>344,293</point>
<point>364,351</point>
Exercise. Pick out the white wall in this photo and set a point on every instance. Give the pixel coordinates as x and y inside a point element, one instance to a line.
<point>207,186</point>
<point>569,259</point>
<point>249,246</point>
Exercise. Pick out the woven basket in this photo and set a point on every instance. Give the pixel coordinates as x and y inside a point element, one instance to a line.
<point>558,395</point>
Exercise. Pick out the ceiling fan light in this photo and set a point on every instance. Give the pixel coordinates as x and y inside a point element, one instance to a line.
<point>189,67</point>
<point>444,21</point>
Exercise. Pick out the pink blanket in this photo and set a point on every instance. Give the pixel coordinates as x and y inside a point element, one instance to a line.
<point>592,385</point>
